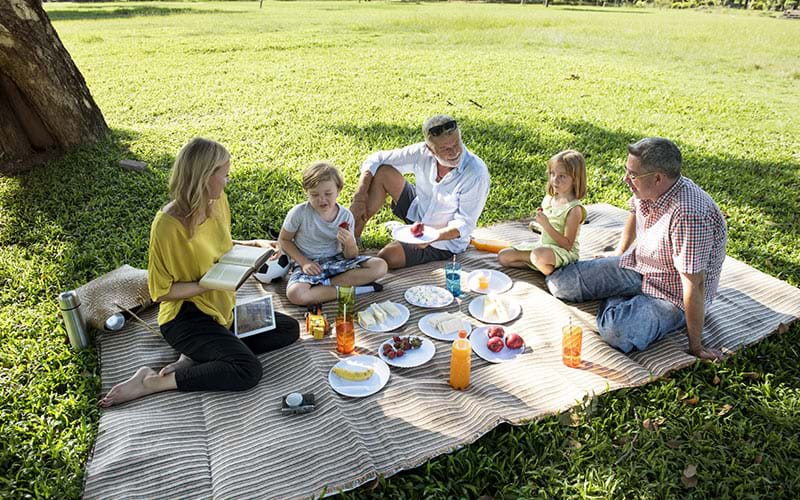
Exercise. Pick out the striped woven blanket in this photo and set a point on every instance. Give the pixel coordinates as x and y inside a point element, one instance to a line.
<point>234,445</point>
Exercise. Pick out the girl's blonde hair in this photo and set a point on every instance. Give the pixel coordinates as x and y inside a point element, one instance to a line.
<point>575,165</point>
<point>188,181</point>
<point>321,172</point>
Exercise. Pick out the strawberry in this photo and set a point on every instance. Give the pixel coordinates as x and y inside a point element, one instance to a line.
<point>400,352</point>
<point>345,225</point>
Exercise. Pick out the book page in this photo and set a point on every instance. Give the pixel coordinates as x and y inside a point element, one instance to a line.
<point>254,316</point>
<point>244,255</point>
<point>224,276</point>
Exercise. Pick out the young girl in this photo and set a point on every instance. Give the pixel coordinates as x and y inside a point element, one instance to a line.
<point>559,217</point>
<point>318,236</point>
<point>187,236</point>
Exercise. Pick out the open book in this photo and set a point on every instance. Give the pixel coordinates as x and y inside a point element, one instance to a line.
<point>253,316</point>
<point>234,267</point>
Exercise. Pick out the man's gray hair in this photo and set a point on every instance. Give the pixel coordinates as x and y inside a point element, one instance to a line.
<point>656,153</point>
<point>435,121</point>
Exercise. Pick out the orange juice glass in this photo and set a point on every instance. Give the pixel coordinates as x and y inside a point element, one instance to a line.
<point>572,337</point>
<point>460,362</point>
<point>345,335</point>
<point>483,281</point>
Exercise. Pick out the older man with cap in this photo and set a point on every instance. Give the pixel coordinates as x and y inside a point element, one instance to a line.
<point>450,190</point>
<point>667,279</point>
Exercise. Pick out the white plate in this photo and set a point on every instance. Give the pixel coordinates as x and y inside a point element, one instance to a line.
<point>499,282</point>
<point>390,323</point>
<point>403,235</point>
<point>412,358</point>
<point>428,329</point>
<point>428,296</point>
<point>512,307</point>
<point>478,339</point>
<point>364,388</point>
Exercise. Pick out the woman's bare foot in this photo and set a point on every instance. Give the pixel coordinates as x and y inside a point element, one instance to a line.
<point>145,381</point>
<point>183,362</point>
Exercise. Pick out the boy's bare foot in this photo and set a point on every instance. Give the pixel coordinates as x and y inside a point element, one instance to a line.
<point>182,362</point>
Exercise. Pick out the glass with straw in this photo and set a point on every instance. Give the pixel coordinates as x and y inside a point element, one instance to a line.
<point>345,328</point>
<point>452,276</point>
<point>572,337</point>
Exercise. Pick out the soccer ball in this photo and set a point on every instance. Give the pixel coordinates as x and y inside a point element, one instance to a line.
<point>273,270</point>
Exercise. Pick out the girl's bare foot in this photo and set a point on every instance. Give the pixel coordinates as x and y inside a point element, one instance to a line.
<point>145,381</point>
<point>183,362</point>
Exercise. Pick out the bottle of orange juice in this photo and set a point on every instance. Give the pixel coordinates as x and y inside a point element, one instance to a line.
<point>460,361</point>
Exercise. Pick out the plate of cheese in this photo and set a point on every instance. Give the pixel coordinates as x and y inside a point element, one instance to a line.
<point>494,309</point>
<point>428,296</point>
<point>383,317</point>
<point>443,326</point>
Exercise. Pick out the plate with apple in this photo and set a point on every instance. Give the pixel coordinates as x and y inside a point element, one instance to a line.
<point>415,233</point>
<point>496,344</point>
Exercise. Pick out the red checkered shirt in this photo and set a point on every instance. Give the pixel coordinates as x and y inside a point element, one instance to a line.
<point>683,231</point>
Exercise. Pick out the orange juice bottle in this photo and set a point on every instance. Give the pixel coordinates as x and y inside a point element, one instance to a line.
<point>460,361</point>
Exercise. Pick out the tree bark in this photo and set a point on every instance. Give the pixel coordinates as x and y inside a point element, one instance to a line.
<point>45,106</point>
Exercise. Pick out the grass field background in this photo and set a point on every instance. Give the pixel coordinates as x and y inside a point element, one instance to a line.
<point>296,82</point>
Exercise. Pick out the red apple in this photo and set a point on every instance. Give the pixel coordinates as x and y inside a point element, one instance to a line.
<point>417,229</point>
<point>514,341</point>
<point>495,344</point>
<point>345,225</point>
<point>495,331</point>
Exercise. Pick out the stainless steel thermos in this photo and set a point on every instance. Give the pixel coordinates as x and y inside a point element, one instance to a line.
<point>73,319</point>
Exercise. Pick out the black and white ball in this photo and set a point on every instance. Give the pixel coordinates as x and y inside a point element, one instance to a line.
<point>273,270</point>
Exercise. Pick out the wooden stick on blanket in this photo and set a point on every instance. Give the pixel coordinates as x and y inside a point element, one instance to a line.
<point>137,318</point>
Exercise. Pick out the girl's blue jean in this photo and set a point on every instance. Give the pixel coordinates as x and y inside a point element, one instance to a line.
<point>626,318</point>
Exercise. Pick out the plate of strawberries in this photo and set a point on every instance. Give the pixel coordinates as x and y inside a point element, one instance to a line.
<point>406,351</point>
<point>415,233</point>
<point>496,345</point>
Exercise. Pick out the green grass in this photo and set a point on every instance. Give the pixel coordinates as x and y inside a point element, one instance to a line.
<point>296,82</point>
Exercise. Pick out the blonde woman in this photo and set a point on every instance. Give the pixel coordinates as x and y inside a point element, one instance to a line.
<point>187,236</point>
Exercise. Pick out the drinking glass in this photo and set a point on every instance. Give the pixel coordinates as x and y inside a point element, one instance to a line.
<point>572,337</point>
<point>452,273</point>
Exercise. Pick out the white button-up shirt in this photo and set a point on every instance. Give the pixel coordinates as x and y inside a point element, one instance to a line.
<point>454,202</point>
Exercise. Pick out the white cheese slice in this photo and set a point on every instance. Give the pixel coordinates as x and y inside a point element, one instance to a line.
<point>451,325</point>
<point>366,319</point>
<point>390,308</point>
<point>437,319</point>
<point>377,311</point>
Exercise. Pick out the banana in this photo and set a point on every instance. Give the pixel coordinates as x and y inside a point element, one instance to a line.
<point>355,375</point>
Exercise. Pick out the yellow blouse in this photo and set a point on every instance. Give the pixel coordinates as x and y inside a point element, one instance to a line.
<point>175,258</point>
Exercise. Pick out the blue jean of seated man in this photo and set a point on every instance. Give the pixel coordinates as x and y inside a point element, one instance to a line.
<point>626,319</point>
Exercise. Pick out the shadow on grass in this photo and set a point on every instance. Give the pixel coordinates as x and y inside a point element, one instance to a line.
<point>100,12</point>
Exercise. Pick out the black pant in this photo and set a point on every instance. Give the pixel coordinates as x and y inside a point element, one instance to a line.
<point>223,362</point>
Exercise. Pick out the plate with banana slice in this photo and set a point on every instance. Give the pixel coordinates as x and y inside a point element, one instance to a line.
<point>359,376</point>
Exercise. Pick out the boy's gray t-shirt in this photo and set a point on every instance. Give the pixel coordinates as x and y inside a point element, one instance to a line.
<point>313,236</point>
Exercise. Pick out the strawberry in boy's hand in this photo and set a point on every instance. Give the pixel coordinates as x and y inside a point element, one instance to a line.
<point>345,225</point>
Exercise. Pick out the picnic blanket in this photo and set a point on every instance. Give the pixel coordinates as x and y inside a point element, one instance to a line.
<point>233,445</point>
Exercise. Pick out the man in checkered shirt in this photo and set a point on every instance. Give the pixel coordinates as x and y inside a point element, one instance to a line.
<point>667,279</point>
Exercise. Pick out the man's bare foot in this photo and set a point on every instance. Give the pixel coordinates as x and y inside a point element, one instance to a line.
<point>183,362</point>
<point>145,381</point>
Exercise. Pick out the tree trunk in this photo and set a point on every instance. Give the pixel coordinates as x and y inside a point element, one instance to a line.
<point>45,106</point>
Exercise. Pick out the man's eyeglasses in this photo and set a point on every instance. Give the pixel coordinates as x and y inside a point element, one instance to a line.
<point>444,128</point>
<point>633,177</point>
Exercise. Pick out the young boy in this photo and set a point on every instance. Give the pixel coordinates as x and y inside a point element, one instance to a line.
<point>318,236</point>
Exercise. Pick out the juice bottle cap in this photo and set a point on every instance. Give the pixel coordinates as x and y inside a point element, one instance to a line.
<point>462,334</point>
